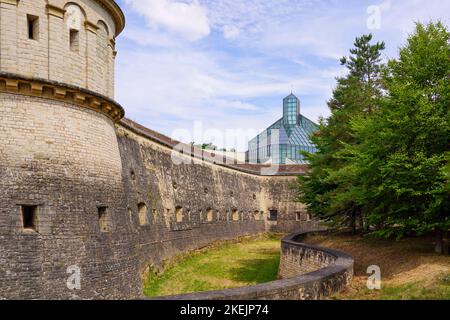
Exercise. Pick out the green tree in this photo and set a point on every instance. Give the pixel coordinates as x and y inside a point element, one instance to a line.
<point>357,93</point>
<point>399,163</point>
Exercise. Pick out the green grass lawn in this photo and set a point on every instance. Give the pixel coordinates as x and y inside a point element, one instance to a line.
<point>438,289</point>
<point>409,268</point>
<point>226,265</point>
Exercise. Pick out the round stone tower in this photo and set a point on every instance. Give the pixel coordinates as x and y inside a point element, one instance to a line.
<point>62,227</point>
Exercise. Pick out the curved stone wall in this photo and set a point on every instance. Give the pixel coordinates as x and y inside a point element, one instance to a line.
<point>307,273</point>
<point>63,160</point>
<point>82,188</point>
<point>110,201</point>
<point>188,205</point>
<point>72,42</point>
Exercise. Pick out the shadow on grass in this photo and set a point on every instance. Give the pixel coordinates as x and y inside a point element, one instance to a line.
<point>226,266</point>
<point>258,270</point>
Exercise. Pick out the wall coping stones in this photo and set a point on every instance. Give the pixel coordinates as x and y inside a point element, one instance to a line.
<point>50,89</point>
<point>253,169</point>
<point>313,285</point>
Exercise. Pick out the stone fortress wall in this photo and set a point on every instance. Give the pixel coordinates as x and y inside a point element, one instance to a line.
<point>70,163</point>
<point>190,205</point>
<point>71,42</point>
<point>82,187</point>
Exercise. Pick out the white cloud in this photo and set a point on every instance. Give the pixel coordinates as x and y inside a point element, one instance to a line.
<point>399,17</point>
<point>171,89</point>
<point>187,19</point>
<point>257,52</point>
<point>230,32</point>
<point>283,26</point>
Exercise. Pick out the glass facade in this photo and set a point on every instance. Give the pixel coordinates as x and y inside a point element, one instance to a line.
<point>291,109</point>
<point>283,141</point>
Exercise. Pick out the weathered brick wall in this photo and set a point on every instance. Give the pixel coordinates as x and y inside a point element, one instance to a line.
<point>107,198</point>
<point>65,160</point>
<point>296,260</point>
<point>69,161</point>
<point>49,56</point>
<point>292,215</point>
<point>194,188</point>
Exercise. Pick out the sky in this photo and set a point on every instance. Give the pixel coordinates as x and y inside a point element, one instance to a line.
<point>217,70</point>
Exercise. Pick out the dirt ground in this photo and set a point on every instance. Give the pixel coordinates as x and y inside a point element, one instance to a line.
<point>409,268</point>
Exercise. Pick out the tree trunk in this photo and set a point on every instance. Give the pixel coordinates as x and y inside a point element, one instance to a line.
<point>445,240</point>
<point>353,222</point>
<point>367,226</point>
<point>439,248</point>
<point>361,223</point>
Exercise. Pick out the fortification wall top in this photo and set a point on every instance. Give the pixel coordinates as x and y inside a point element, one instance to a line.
<point>209,156</point>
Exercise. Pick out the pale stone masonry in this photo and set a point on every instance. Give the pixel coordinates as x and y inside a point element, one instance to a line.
<point>82,186</point>
<point>48,56</point>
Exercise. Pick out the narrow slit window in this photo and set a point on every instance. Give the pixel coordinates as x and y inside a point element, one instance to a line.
<point>33,27</point>
<point>74,36</point>
<point>103,219</point>
<point>273,215</point>
<point>130,215</point>
<point>29,217</point>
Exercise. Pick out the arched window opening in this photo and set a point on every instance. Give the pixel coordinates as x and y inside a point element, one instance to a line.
<point>179,214</point>
<point>235,215</point>
<point>209,215</point>
<point>142,213</point>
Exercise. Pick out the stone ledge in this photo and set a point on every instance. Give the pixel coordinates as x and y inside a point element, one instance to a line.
<point>48,89</point>
<point>310,286</point>
<point>12,2</point>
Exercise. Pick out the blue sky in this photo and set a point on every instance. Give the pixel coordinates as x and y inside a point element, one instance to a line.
<point>208,66</point>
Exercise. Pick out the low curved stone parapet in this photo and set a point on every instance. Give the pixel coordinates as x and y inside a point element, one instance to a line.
<point>333,271</point>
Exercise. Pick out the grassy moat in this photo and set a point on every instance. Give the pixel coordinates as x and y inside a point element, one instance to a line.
<point>409,268</point>
<point>248,261</point>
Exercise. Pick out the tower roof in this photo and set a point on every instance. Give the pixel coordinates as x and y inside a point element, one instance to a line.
<point>291,96</point>
<point>113,8</point>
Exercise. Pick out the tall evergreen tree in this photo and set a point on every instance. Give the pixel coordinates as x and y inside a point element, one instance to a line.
<point>399,159</point>
<point>357,93</point>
